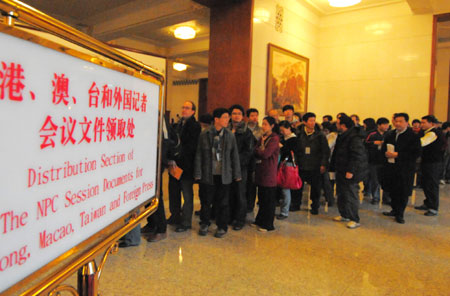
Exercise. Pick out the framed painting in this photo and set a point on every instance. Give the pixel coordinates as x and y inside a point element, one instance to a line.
<point>287,80</point>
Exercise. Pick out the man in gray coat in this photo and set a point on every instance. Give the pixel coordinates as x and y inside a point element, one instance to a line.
<point>216,166</point>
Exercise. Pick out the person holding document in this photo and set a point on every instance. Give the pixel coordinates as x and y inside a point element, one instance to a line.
<point>401,148</point>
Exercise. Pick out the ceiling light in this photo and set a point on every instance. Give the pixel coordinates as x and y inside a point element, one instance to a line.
<point>343,3</point>
<point>179,66</point>
<point>184,33</point>
<point>261,16</point>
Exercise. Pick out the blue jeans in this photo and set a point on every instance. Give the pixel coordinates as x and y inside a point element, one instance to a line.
<point>374,184</point>
<point>286,203</point>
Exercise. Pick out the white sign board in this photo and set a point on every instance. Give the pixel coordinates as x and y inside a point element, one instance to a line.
<point>78,150</point>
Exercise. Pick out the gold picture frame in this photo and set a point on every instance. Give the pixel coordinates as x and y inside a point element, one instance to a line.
<point>287,80</point>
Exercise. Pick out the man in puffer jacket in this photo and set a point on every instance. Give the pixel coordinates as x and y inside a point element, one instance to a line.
<point>349,161</point>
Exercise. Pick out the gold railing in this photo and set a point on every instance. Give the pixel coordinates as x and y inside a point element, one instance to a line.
<point>45,281</point>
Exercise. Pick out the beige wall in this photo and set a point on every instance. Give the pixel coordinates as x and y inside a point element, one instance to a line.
<point>300,35</point>
<point>442,81</point>
<point>372,62</point>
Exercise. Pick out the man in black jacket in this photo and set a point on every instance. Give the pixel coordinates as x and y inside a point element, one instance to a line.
<point>374,142</point>
<point>433,148</point>
<point>312,159</point>
<point>401,148</point>
<point>349,161</point>
<point>245,145</point>
<point>182,156</point>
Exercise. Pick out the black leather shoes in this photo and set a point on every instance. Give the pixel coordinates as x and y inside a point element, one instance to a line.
<point>422,208</point>
<point>182,228</point>
<point>220,233</point>
<point>400,220</point>
<point>126,245</point>
<point>314,212</point>
<point>203,230</point>
<point>389,214</point>
<point>430,213</point>
<point>238,227</point>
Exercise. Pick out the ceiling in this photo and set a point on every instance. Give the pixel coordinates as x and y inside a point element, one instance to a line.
<point>148,25</point>
<point>324,8</point>
<point>145,25</point>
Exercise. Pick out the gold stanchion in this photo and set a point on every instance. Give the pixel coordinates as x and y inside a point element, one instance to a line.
<point>413,196</point>
<point>309,202</point>
<point>326,207</point>
<point>380,204</point>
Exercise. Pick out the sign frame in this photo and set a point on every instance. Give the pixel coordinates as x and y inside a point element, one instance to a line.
<point>47,277</point>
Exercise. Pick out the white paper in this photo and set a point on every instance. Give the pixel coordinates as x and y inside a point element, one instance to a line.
<point>390,148</point>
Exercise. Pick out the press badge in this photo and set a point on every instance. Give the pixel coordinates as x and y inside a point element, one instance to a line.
<point>307,150</point>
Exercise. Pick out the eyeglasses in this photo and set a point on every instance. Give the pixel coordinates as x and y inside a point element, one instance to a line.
<point>186,107</point>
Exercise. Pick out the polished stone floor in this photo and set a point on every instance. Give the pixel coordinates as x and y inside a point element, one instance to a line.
<point>305,255</point>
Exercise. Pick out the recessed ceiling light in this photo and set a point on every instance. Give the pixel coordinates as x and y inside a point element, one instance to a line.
<point>179,66</point>
<point>343,3</point>
<point>184,32</point>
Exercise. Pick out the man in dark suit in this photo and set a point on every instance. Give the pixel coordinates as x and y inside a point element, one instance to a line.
<point>401,148</point>
<point>182,156</point>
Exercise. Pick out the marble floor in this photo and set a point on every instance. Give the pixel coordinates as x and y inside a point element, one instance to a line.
<point>305,255</point>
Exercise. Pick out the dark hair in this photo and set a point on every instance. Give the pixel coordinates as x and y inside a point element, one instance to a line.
<point>340,114</point>
<point>288,107</point>
<point>237,106</point>
<point>416,121</point>
<point>327,125</point>
<point>270,120</point>
<point>193,105</point>
<point>431,118</point>
<point>329,117</point>
<point>217,113</point>
<point>370,124</point>
<point>205,118</point>
<point>404,115</point>
<point>445,125</point>
<point>356,116</point>
<point>286,124</point>
<point>308,115</point>
<point>251,110</point>
<point>347,121</point>
<point>382,120</point>
<point>298,114</point>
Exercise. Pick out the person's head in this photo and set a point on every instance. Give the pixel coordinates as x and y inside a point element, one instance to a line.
<point>252,115</point>
<point>355,119</point>
<point>237,113</point>
<point>285,128</point>
<point>340,114</point>
<point>327,118</point>
<point>416,124</point>
<point>288,112</point>
<point>274,114</point>
<point>401,121</point>
<point>221,118</point>
<point>369,124</point>
<point>268,124</point>
<point>446,127</point>
<point>344,122</point>
<point>297,117</point>
<point>309,119</point>
<point>188,109</point>
<point>383,124</point>
<point>205,120</point>
<point>428,122</point>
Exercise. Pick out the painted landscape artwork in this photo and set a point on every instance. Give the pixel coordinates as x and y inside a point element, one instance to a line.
<point>287,80</point>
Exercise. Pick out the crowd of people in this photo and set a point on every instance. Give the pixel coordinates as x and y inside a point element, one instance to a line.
<point>236,163</point>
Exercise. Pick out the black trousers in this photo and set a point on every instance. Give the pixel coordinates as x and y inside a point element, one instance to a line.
<point>430,184</point>
<point>267,204</point>
<point>238,200</point>
<point>158,219</point>
<point>182,215</point>
<point>347,197</point>
<point>314,179</point>
<point>251,190</point>
<point>219,194</point>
